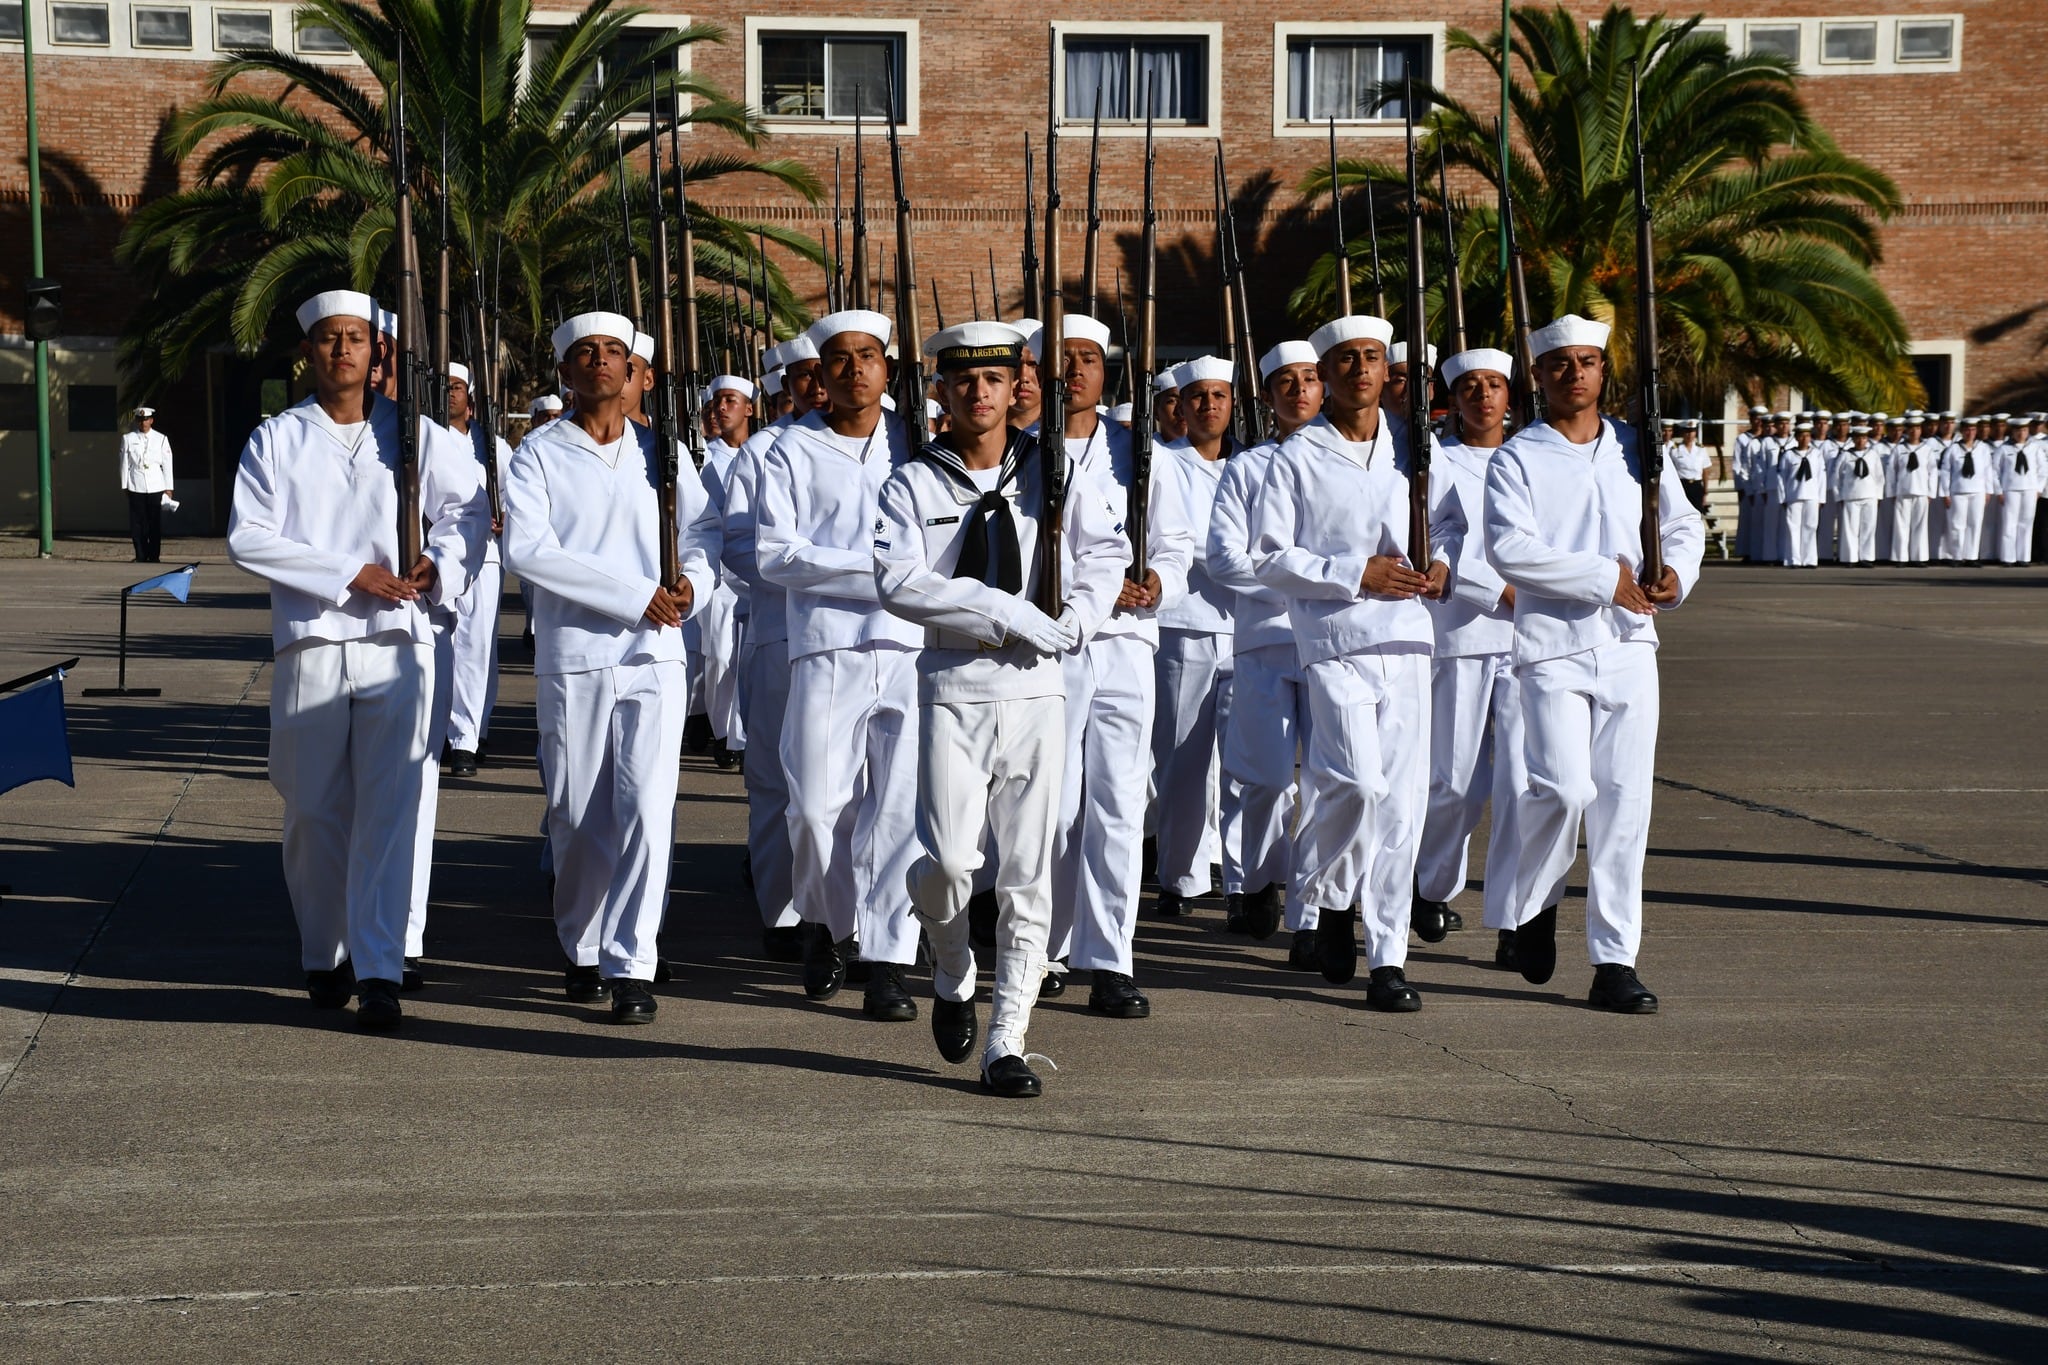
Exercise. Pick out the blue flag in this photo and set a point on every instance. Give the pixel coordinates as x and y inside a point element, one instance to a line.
<point>178,583</point>
<point>33,744</point>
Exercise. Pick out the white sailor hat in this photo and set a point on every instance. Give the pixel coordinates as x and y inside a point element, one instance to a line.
<point>932,410</point>
<point>1164,382</point>
<point>547,402</point>
<point>336,303</point>
<point>643,347</point>
<point>1399,354</point>
<point>968,344</point>
<point>1880,417</point>
<point>458,370</point>
<point>1286,353</point>
<point>739,384</point>
<point>386,321</point>
<point>1689,424</point>
<point>1204,369</point>
<point>865,320</point>
<point>1823,412</point>
<point>771,383</point>
<point>1969,421</point>
<point>794,351</point>
<point>1478,358</point>
<point>2001,417</point>
<point>1028,326</point>
<point>1914,414</point>
<point>1802,425</point>
<point>1951,414</point>
<point>1858,429</point>
<point>888,400</point>
<point>1120,413</point>
<point>1759,410</point>
<point>1356,327</point>
<point>1073,327</point>
<point>599,324</point>
<point>1569,330</point>
<point>1781,417</point>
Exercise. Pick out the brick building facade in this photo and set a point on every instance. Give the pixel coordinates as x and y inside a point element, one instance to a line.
<point>1926,90</point>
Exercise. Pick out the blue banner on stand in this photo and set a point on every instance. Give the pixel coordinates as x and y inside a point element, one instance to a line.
<point>33,743</point>
<point>178,583</point>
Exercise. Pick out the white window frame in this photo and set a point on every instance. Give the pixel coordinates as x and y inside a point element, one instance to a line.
<point>1812,42</point>
<point>1957,351</point>
<point>50,19</point>
<point>904,31</point>
<point>1210,35</point>
<point>219,11</point>
<point>1284,33</point>
<point>191,28</point>
<point>1955,43</point>
<point>1876,28</point>
<point>1801,61</point>
<point>563,18</point>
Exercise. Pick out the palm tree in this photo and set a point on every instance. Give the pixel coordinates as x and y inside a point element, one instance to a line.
<point>293,190</point>
<point>1766,232</point>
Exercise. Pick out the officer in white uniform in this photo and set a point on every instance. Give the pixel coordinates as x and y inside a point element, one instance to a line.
<point>1802,481</point>
<point>2020,479</point>
<point>849,738</point>
<point>1269,718</point>
<point>958,554</point>
<point>1911,476</point>
<point>316,513</point>
<point>1859,480</point>
<point>1692,461</point>
<point>473,646</point>
<point>729,401</point>
<point>146,479</point>
<point>1966,479</point>
<point>1195,801</point>
<point>1563,526</point>
<point>1475,724</point>
<point>1743,468</point>
<point>1329,531</point>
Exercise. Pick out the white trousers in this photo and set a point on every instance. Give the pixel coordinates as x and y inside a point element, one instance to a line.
<point>1965,527</point>
<point>1802,535</point>
<point>1269,720</point>
<point>764,701</point>
<point>1909,530</point>
<point>430,787</point>
<point>473,660</point>
<point>1590,736</point>
<point>1859,531</point>
<point>613,738</point>
<point>1195,797</point>
<point>849,746</point>
<point>348,744</point>
<point>1110,684</point>
<point>1475,753</point>
<point>2016,527</point>
<point>1368,760</point>
<point>721,626</point>
<point>988,784</point>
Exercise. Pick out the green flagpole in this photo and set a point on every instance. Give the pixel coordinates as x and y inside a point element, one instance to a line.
<point>1504,50</point>
<point>47,518</point>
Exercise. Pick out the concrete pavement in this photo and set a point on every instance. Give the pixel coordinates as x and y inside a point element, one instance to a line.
<point>1831,1145</point>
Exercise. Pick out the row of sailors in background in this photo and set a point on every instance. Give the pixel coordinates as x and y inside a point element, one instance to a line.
<point>1862,488</point>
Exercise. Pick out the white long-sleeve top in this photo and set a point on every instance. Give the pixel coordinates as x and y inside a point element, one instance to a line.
<point>470,442</point>
<point>1792,488</point>
<point>765,605</point>
<point>1105,454</point>
<point>1914,470</point>
<point>1954,481</point>
<point>1559,516</point>
<point>1328,506</point>
<point>1193,483</point>
<point>820,496</point>
<point>2011,478</point>
<point>1260,614</point>
<point>970,654</point>
<point>1867,487</point>
<point>145,462</point>
<point>583,528</point>
<point>1471,621</point>
<point>315,502</point>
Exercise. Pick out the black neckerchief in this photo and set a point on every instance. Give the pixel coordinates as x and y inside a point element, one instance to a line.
<point>990,554</point>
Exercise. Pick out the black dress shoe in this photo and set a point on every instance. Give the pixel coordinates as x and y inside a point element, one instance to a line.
<point>1117,996</point>
<point>412,979</point>
<point>723,757</point>
<point>1054,983</point>
<point>1172,905</point>
<point>632,1002</point>
<point>1453,921</point>
<point>954,1028</point>
<point>1234,921</point>
<point>697,733</point>
<point>1301,954</point>
<point>1262,911</point>
<point>462,763</point>
<point>885,1000</point>
<point>783,943</point>
<point>377,1005</point>
<point>1426,918</point>
<point>1536,947</point>
<point>1504,949</point>
<point>1388,990</point>
<point>333,988</point>
<point>583,985</point>
<point>824,962</point>
<point>982,914</point>
<point>1010,1078</point>
<point>1337,945</point>
<point>1616,988</point>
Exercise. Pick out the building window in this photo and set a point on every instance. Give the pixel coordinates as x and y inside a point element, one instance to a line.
<point>1848,42</point>
<point>319,38</point>
<point>92,407</point>
<point>1352,80</point>
<point>1779,40</point>
<point>10,23</point>
<point>812,76</point>
<point>82,25</point>
<point>162,26</point>
<point>17,407</point>
<point>236,30</point>
<point>1926,41</point>
<point>627,54</point>
<point>1124,73</point>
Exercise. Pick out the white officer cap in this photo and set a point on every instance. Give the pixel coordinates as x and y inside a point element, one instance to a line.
<point>1356,327</point>
<point>771,383</point>
<point>1781,417</point>
<point>1880,417</point>
<point>1569,330</point>
<point>1479,358</point>
<point>968,344</point>
<point>1120,413</point>
<point>617,326</point>
<point>1286,353</point>
<point>145,412</point>
<point>336,303</point>
<point>547,402</point>
<point>1204,369</point>
<point>1399,355</point>
<point>643,347</point>
<point>1759,410</point>
<point>1690,424</point>
<point>458,370</point>
<point>865,320</point>
<point>738,384</point>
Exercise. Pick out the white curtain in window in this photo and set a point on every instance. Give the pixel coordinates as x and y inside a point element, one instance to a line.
<point>1093,66</point>
<point>1169,73</point>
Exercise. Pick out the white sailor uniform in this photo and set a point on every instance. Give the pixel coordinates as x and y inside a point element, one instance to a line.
<point>720,623</point>
<point>2020,480</point>
<point>1802,480</point>
<point>1915,469</point>
<point>1966,480</point>
<point>474,644</point>
<point>1859,484</point>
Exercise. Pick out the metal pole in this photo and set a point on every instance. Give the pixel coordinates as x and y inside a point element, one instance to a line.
<point>121,676</point>
<point>47,517</point>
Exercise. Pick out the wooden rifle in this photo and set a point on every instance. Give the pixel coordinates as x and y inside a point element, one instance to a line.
<point>1649,429</point>
<point>995,291</point>
<point>835,284</point>
<point>1525,396</point>
<point>1091,243</point>
<point>406,348</point>
<point>633,308</point>
<point>1454,288</point>
<point>692,386</point>
<point>1052,352</point>
<point>860,210</point>
<point>662,418</point>
<point>1144,420</point>
<point>1247,419</point>
<point>910,380</point>
<point>438,392</point>
<point>1419,377</point>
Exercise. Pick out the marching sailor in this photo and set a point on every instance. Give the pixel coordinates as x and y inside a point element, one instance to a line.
<point>474,646</point>
<point>1563,527</point>
<point>316,512</point>
<point>729,411</point>
<point>958,553</point>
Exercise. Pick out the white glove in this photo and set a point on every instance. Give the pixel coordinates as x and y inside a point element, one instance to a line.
<point>1042,632</point>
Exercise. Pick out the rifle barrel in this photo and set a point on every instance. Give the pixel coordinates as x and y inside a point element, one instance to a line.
<point>1418,364</point>
<point>1052,353</point>
<point>1337,225</point>
<point>405,352</point>
<point>910,386</point>
<point>662,420</point>
<point>1454,288</point>
<point>1649,429</point>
